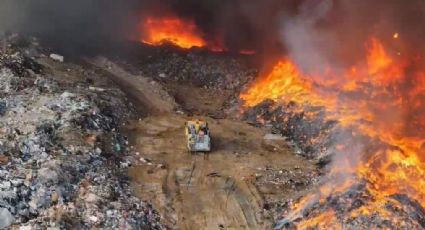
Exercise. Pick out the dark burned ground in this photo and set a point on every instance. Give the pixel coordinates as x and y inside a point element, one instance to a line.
<point>248,178</point>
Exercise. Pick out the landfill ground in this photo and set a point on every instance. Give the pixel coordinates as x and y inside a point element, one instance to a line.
<point>245,182</point>
<point>93,143</point>
<point>63,157</point>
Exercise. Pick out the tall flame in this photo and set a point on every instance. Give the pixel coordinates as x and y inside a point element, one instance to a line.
<point>180,32</point>
<point>389,107</point>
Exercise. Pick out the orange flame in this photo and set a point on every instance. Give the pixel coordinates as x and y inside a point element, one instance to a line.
<point>284,82</point>
<point>389,107</point>
<point>182,33</point>
<point>324,220</point>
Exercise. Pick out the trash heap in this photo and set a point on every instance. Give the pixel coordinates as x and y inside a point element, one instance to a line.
<point>353,207</point>
<point>210,71</point>
<point>62,157</point>
<point>202,68</point>
<point>306,127</point>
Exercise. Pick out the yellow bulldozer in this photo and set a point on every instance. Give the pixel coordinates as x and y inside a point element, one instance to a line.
<point>198,136</point>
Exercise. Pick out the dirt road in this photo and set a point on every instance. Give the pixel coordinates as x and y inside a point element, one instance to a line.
<point>202,191</point>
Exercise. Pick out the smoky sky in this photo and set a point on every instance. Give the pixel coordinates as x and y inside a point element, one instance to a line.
<point>269,26</point>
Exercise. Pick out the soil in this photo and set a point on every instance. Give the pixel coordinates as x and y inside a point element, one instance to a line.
<point>214,190</point>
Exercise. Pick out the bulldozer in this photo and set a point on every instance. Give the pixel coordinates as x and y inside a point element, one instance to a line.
<point>198,136</point>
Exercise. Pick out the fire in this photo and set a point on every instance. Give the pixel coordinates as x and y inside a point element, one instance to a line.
<point>324,220</point>
<point>183,33</point>
<point>284,82</point>
<point>377,58</point>
<point>388,110</point>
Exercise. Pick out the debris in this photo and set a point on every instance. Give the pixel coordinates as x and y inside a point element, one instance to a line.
<point>57,57</point>
<point>56,147</point>
<point>309,134</point>
<point>96,89</point>
<point>2,108</point>
<point>274,137</point>
<point>213,174</point>
<point>6,219</point>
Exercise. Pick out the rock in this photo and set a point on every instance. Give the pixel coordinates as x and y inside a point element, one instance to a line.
<point>6,219</point>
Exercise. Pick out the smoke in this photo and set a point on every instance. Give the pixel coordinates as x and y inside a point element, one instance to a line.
<point>314,32</point>
<point>82,25</point>
<point>327,34</point>
<point>76,26</point>
<point>306,43</point>
<point>332,34</point>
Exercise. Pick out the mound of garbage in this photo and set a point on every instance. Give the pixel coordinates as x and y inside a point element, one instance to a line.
<point>62,156</point>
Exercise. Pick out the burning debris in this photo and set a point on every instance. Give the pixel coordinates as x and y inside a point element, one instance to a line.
<point>346,88</point>
<point>349,118</point>
<point>184,34</point>
<point>344,211</point>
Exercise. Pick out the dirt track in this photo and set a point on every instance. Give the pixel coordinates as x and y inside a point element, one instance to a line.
<point>201,191</point>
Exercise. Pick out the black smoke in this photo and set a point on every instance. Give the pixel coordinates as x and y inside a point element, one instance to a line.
<point>81,25</point>
<point>72,26</point>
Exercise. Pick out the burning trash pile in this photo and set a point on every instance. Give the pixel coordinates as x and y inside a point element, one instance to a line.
<point>365,124</point>
<point>61,153</point>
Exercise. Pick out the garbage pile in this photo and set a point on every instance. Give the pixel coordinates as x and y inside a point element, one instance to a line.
<point>353,207</point>
<point>208,71</point>
<point>347,211</point>
<point>307,127</point>
<point>62,157</point>
<point>286,179</point>
<point>198,67</point>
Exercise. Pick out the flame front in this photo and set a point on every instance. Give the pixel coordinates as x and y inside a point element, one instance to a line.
<point>380,98</point>
<point>183,33</point>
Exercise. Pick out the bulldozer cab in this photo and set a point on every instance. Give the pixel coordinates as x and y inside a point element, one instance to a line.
<point>198,136</point>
